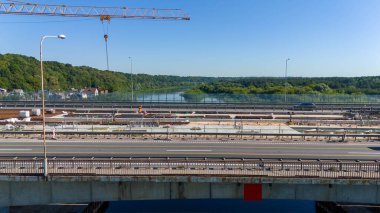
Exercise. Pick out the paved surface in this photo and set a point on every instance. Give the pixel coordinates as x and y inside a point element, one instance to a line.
<point>199,148</point>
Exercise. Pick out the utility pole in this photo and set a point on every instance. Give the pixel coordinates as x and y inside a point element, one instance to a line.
<point>286,80</point>
<point>131,61</point>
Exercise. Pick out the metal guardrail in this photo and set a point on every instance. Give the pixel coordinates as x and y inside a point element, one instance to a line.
<point>201,135</point>
<point>136,102</point>
<point>181,167</point>
<point>186,105</point>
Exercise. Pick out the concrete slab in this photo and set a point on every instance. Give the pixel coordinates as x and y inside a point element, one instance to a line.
<point>5,195</point>
<point>279,191</point>
<point>356,193</point>
<point>227,191</point>
<point>194,190</point>
<point>19,191</point>
<point>25,193</point>
<point>108,191</point>
<point>124,190</point>
<point>150,191</point>
<point>71,191</point>
<point>317,192</point>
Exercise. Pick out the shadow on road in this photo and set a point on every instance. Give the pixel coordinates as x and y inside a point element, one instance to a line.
<point>374,148</point>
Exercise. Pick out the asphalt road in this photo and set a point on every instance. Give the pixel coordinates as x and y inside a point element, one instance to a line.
<point>228,149</point>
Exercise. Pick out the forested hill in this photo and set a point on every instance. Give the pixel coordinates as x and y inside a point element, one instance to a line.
<point>294,85</point>
<point>22,72</point>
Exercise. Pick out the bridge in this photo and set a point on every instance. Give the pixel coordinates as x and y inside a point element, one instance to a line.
<point>339,164</point>
<point>89,180</point>
<point>213,169</point>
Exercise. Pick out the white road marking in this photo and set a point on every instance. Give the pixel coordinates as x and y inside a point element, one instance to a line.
<point>188,150</point>
<point>16,149</point>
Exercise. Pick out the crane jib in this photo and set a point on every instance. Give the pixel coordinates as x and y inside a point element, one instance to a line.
<point>91,11</point>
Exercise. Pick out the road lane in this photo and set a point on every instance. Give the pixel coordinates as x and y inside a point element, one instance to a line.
<point>245,149</point>
<point>16,149</point>
<point>188,150</point>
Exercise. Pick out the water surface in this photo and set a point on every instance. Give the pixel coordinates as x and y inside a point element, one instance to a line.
<point>218,206</point>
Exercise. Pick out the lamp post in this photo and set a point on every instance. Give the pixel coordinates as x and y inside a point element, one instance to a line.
<point>45,165</point>
<point>286,80</point>
<point>131,61</point>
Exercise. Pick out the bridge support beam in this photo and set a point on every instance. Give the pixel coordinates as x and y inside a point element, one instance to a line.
<point>37,191</point>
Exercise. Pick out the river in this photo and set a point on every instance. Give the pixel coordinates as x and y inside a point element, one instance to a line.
<point>217,206</point>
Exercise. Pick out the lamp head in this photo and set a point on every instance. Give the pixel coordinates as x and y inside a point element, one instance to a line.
<point>61,36</point>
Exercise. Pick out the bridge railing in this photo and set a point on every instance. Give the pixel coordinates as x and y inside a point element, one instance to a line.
<point>131,106</point>
<point>341,136</point>
<point>184,167</point>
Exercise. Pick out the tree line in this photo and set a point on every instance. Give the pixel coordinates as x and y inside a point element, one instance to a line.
<point>22,72</point>
<point>293,85</point>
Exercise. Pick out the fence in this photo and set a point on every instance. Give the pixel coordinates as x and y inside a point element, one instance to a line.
<point>195,135</point>
<point>217,167</point>
<point>209,98</point>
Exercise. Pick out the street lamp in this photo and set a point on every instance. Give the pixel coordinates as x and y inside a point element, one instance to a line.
<point>43,101</point>
<point>286,79</point>
<point>131,61</point>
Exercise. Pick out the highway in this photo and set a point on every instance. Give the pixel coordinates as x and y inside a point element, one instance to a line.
<point>199,148</point>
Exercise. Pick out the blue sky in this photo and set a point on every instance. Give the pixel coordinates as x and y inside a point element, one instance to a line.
<point>223,38</point>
